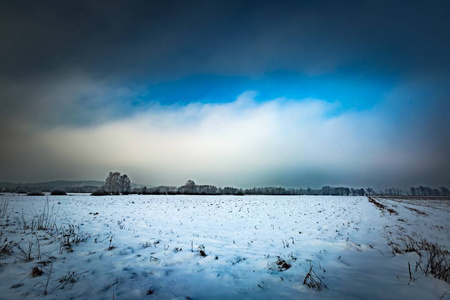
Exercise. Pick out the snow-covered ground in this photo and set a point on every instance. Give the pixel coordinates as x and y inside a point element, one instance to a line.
<point>216,247</point>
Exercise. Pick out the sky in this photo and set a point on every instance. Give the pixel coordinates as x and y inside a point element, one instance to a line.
<point>240,93</point>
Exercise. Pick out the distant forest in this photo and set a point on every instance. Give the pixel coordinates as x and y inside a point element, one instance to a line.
<point>67,186</point>
<point>116,184</point>
<point>190,188</point>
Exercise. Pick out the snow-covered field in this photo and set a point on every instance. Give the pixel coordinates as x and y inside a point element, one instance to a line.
<point>216,247</point>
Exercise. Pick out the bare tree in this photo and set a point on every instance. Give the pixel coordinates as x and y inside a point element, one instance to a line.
<point>110,181</point>
<point>189,188</point>
<point>115,183</point>
<point>125,184</point>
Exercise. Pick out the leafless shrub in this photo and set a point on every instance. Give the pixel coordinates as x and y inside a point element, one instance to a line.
<point>27,253</point>
<point>70,278</point>
<point>435,262</point>
<point>4,204</point>
<point>22,223</point>
<point>5,246</point>
<point>45,285</point>
<point>313,281</point>
<point>40,221</point>
<point>408,245</point>
<point>70,237</point>
<point>5,212</point>
<point>43,220</point>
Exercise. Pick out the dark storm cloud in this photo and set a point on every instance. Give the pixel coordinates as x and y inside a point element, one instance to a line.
<point>153,39</point>
<point>134,45</point>
<point>100,37</point>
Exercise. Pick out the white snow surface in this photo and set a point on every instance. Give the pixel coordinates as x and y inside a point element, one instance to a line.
<point>155,248</point>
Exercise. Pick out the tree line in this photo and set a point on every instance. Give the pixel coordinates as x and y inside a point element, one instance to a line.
<point>191,188</point>
<point>117,183</point>
<point>67,186</point>
<point>427,191</point>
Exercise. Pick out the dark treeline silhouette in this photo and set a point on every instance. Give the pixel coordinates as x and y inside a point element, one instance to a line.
<point>66,186</point>
<point>190,188</point>
<point>116,184</point>
<point>427,191</point>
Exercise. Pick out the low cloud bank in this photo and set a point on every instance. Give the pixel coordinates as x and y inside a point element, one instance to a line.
<point>242,143</point>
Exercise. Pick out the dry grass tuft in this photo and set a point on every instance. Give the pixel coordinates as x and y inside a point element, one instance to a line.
<point>313,281</point>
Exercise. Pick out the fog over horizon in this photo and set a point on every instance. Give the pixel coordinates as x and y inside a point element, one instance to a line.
<point>232,93</point>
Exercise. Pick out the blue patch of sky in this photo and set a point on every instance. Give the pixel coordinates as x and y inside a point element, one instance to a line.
<point>352,90</point>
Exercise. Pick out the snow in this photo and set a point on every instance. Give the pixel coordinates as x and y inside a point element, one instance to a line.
<point>155,248</point>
